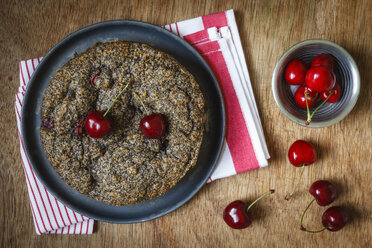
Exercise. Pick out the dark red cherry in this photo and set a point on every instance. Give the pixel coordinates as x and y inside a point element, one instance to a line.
<point>295,72</point>
<point>320,79</point>
<point>96,125</point>
<point>335,95</point>
<point>79,128</point>
<point>324,192</point>
<point>301,153</point>
<point>153,126</point>
<point>236,216</point>
<point>300,97</point>
<point>323,59</point>
<point>236,213</point>
<point>335,218</point>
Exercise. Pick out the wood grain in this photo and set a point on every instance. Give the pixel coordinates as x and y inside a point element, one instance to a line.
<point>30,28</point>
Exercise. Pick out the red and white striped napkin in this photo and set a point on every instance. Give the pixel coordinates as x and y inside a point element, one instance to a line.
<point>50,216</point>
<point>217,39</point>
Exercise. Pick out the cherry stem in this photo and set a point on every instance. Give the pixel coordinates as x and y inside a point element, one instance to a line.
<point>316,95</point>
<point>271,191</point>
<point>139,99</point>
<point>307,108</point>
<point>298,182</point>
<point>310,231</point>
<point>312,114</point>
<point>302,219</point>
<point>116,98</point>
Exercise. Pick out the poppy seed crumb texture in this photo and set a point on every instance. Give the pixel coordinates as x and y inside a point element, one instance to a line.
<point>124,167</point>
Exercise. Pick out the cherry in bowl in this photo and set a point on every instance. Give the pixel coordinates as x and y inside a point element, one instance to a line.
<point>332,95</point>
<point>295,72</point>
<point>320,78</point>
<point>305,97</point>
<point>323,59</point>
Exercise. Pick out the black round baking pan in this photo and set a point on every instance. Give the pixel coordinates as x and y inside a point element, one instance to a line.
<point>164,40</point>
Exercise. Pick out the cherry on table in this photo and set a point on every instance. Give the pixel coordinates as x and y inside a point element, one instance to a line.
<point>97,125</point>
<point>236,213</point>
<point>320,78</point>
<point>236,216</point>
<point>301,153</point>
<point>336,94</point>
<point>304,92</point>
<point>324,192</point>
<point>335,218</point>
<point>323,59</point>
<point>153,126</point>
<point>295,72</point>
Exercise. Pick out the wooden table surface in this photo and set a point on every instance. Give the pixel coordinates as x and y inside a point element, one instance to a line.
<point>267,28</point>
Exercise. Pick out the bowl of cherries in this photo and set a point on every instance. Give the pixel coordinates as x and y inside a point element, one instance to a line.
<point>316,83</point>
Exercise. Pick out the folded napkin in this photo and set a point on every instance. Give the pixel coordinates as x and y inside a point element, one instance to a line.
<point>217,39</point>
